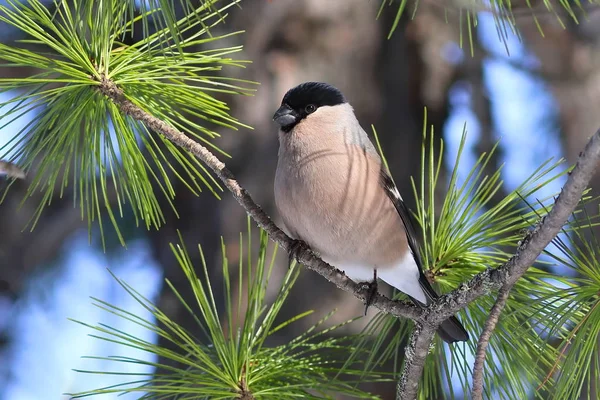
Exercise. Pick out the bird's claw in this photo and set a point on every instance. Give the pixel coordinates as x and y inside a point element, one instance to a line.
<point>371,288</point>
<point>297,247</point>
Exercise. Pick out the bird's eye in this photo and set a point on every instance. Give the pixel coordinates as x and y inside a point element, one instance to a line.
<point>311,108</point>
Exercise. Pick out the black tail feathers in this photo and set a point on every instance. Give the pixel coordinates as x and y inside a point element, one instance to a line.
<point>451,330</point>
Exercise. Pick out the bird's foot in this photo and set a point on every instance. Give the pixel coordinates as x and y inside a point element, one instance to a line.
<point>297,247</point>
<point>371,288</point>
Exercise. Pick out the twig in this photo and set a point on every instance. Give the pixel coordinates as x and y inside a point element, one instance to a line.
<point>244,391</point>
<point>308,258</point>
<point>566,346</point>
<point>484,341</point>
<point>414,361</point>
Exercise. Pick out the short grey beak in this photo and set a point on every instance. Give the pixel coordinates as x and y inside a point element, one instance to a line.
<point>285,116</point>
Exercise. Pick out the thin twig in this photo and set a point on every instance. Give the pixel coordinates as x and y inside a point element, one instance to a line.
<point>308,258</point>
<point>414,360</point>
<point>484,341</point>
<point>566,346</point>
<point>244,391</point>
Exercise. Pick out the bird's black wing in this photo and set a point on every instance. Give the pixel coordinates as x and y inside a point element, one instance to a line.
<point>404,212</point>
<point>451,329</point>
<point>411,234</point>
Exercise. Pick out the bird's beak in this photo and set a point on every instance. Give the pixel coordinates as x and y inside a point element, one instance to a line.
<point>285,116</point>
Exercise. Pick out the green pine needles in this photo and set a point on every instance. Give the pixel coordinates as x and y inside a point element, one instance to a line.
<point>507,14</point>
<point>80,141</point>
<point>232,358</point>
<point>468,233</point>
<point>80,144</point>
<point>575,369</point>
<point>550,324</point>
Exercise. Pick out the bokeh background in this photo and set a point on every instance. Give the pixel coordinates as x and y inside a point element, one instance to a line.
<point>541,101</point>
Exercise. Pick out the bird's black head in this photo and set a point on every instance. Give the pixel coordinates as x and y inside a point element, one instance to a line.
<point>303,100</point>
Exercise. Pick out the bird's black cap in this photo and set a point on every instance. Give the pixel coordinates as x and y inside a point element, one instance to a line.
<point>317,93</point>
<point>304,99</point>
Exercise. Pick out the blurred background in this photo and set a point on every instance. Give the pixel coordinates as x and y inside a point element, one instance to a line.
<point>541,102</point>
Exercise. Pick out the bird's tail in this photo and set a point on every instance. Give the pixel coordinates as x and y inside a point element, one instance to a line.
<point>451,330</point>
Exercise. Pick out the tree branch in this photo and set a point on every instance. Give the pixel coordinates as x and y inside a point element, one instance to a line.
<point>530,247</point>
<point>306,257</point>
<point>414,360</point>
<point>428,319</point>
<point>504,276</point>
<point>533,244</point>
<point>484,341</point>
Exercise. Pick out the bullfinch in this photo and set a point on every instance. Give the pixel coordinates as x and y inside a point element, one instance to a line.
<point>334,195</point>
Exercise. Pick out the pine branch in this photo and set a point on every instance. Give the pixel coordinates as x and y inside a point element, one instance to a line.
<point>304,255</point>
<point>427,319</point>
<point>530,247</point>
<point>414,361</point>
<point>509,273</point>
<point>534,244</point>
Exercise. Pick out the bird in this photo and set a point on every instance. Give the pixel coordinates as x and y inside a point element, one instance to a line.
<point>335,196</point>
